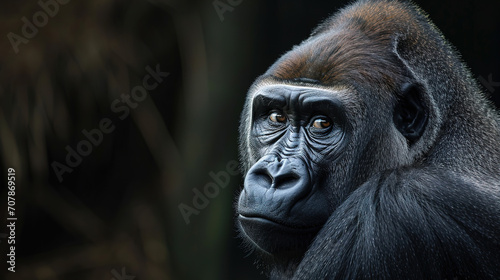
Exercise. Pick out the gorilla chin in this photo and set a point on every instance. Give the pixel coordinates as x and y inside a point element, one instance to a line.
<point>279,239</point>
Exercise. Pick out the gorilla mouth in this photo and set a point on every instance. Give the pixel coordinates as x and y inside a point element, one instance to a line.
<point>272,237</point>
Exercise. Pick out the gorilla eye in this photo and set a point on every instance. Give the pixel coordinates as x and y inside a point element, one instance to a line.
<point>321,123</point>
<point>277,117</point>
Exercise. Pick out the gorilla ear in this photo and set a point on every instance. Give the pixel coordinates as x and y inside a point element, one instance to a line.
<point>410,114</point>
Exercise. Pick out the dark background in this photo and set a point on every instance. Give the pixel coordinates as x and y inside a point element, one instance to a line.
<point>118,208</point>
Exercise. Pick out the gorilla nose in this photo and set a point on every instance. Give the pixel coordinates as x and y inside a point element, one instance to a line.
<point>279,174</point>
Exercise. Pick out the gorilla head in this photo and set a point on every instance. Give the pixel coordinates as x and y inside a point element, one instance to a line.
<point>363,148</point>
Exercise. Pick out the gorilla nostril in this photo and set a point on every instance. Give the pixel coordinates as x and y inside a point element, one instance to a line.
<point>263,178</point>
<point>284,181</point>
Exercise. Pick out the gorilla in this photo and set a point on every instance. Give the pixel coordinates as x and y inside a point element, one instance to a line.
<point>370,152</point>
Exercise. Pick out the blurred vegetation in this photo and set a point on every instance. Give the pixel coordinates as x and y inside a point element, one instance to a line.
<point>118,208</point>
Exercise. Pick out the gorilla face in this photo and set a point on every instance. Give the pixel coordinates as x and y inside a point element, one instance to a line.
<point>297,133</point>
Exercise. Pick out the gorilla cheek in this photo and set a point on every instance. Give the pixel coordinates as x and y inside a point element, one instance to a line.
<point>281,208</point>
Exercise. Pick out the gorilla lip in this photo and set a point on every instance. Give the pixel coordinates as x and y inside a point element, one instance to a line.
<point>278,237</point>
<point>284,226</point>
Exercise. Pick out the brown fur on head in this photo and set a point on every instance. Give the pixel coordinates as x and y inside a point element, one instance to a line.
<point>361,44</point>
<point>356,45</point>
